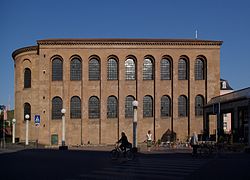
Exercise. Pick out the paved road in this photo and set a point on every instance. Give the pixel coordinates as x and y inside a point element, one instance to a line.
<point>146,167</point>
<point>78,164</point>
<point>50,164</point>
<point>231,166</point>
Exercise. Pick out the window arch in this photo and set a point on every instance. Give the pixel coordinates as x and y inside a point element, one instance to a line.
<point>75,107</point>
<point>57,69</point>
<point>76,69</point>
<point>130,69</point>
<point>57,105</point>
<point>165,69</point>
<point>147,106</point>
<point>27,110</point>
<point>94,107</point>
<point>112,107</point>
<point>165,106</point>
<point>112,69</point>
<point>27,78</point>
<point>129,106</point>
<point>182,69</point>
<point>148,69</point>
<point>182,106</point>
<point>199,69</point>
<point>199,103</point>
<point>94,69</point>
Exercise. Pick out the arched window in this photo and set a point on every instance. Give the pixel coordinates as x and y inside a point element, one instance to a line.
<point>57,69</point>
<point>182,106</point>
<point>147,106</point>
<point>27,78</point>
<point>147,69</point>
<point>165,106</point>
<point>94,69</point>
<point>75,107</point>
<point>112,107</point>
<point>27,110</point>
<point>57,105</point>
<point>94,107</point>
<point>199,103</point>
<point>182,69</point>
<point>199,69</point>
<point>112,69</point>
<point>129,106</point>
<point>75,69</point>
<point>130,69</point>
<point>165,69</point>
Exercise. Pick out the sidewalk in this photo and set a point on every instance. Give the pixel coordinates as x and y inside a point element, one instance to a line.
<point>10,148</point>
<point>163,149</point>
<point>141,149</point>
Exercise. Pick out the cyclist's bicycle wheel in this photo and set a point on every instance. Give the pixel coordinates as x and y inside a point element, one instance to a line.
<point>114,154</point>
<point>129,155</point>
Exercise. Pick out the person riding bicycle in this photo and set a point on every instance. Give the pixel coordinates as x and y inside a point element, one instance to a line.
<point>124,142</point>
<point>123,148</point>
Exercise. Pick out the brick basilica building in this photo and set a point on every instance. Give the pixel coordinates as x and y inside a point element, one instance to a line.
<point>96,81</point>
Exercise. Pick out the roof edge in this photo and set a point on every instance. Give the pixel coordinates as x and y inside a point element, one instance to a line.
<point>128,42</point>
<point>24,49</point>
<point>117,41</point>
<point>210,103</point>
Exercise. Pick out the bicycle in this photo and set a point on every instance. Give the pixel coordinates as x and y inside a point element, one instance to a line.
<point>118,153</point>
<point>205,150</point>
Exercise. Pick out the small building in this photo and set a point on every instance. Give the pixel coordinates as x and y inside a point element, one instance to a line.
<point>224,89</point>
<point>238,104</point>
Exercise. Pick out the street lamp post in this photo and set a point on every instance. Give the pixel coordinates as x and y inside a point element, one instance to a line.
<point>27,117</point>
<point>13,130</point>
<point>63,146</point>
<point>135,105</point>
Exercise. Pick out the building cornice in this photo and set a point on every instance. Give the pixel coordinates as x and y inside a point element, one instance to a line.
<point>130,42</point>
<point>24,49</point>
<point>118,42</point>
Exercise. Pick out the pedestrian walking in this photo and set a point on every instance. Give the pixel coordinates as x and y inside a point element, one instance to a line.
<point>149,140</point>
<point>194,143</point>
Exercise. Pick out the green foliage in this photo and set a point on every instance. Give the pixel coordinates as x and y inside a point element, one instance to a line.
<point>8,122</point>
<point>10,115</point>
<point>159,142</point>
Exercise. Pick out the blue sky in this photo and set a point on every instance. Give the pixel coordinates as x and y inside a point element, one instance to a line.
<point>24,22</point>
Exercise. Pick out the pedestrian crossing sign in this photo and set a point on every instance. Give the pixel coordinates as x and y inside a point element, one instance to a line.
<point>37,120</point>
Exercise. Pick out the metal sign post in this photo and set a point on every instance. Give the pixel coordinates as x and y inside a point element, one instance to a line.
<point>37,120</point>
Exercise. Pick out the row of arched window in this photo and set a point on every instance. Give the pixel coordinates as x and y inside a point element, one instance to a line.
<point>166,67</point>
<point>112,107</point>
